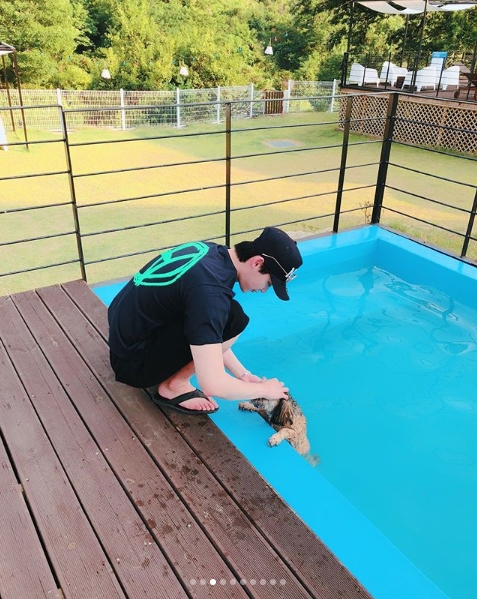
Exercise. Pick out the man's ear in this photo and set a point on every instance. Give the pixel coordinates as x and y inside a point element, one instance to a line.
<point>257,261</point>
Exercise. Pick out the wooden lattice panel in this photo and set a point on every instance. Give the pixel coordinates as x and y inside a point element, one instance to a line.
<point>462,119</point>
<point>420,122</point>
<point>368,115</point>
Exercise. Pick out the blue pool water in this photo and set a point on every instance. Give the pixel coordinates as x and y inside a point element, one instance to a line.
<point>379,346</point>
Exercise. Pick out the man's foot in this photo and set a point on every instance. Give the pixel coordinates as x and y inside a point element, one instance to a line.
<point>191,402</point>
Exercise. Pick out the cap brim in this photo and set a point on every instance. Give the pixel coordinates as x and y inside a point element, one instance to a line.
<point>280,288</point>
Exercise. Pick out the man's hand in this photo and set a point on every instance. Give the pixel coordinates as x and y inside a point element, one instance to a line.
<point>214,380</point>
<point>250,378</point>
<point>273,389</point>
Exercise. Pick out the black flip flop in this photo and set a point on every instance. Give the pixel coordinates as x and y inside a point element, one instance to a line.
<point>173,404</point>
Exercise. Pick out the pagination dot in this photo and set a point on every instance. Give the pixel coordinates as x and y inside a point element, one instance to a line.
<point>241,581</point>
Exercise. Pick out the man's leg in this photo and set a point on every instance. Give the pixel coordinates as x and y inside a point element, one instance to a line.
<point>179,383</point>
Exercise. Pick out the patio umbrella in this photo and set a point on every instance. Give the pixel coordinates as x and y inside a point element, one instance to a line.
<point>414,7</point>
<point>411,7</point>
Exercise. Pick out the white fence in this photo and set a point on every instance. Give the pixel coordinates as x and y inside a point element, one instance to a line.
<point>130,109</point>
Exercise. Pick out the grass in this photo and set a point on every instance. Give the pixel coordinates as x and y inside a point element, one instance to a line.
<point>190,194</point>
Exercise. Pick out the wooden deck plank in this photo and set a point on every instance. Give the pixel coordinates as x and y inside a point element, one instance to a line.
<point>24,570</point>
<point>131,469</point>
<point>244,545</point>
<point>77,558</point>
<point>138,562</point>
<point>317,567</point>
<point>313,562</point>
<point>170,523</point>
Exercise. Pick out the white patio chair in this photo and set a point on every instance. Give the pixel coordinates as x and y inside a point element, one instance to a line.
<point>390,72</point>
<point>362,75</point>
<point>450,77</point>
<point>426,77</point>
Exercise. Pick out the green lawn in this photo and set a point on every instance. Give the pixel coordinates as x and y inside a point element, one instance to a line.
<point>178,188</point>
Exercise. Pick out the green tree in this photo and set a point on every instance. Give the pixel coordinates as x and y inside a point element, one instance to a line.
<point>451,31</point>
<point>317,28</point>
<point>218,46</point>
<point>143,43</point>
<point>136,51</point>
<point>46,34</point>
<point>99,17</point>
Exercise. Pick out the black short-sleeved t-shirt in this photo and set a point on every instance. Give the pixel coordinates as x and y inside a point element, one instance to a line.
<point>191,283</point>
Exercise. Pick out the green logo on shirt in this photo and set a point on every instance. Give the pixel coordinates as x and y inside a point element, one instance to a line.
<point>162,271</point>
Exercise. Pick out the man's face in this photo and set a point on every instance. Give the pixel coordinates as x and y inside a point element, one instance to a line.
<point>251,279</point>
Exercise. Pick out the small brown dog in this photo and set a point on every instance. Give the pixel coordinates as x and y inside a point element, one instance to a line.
<point>286,417</point>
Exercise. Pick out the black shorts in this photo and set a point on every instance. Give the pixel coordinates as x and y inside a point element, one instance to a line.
<point>167,351</point>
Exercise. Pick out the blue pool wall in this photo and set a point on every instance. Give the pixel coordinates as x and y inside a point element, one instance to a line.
<point>358,544</point>
<point>427,266</point>
<point>382,569</point>
<point>412,261</point>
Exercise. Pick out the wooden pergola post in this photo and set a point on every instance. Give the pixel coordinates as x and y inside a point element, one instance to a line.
<point>7,50</point>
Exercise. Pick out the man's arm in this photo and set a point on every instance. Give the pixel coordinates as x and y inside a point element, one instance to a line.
<point>215,381</point>
<point>233,365</point>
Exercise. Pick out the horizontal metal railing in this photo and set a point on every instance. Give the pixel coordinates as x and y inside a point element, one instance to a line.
<point>326,178</point>
<point>411,62</point>
<point>383,184</point>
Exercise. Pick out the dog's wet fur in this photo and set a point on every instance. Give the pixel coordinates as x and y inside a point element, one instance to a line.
<point>288,420</point>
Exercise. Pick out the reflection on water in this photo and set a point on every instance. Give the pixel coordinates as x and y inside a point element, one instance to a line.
<point>386,373</point>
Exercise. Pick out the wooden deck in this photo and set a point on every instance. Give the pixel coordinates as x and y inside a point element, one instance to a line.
<point>103,495</point>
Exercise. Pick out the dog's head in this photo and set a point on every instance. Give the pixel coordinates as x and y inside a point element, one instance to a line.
<point>276,411</point>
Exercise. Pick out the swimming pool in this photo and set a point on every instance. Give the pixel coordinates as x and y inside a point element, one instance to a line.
<point>379,346</point>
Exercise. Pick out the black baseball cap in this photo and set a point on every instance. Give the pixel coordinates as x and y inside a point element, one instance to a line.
<point>282,257</point>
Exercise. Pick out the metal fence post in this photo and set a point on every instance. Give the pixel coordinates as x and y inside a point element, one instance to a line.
<point>59,99</point>
<point>228,158</point>
<point>123,112</point>
<point>333,95</point>
<point>384,159</point>
<point>74,205</point>
<point>470,226</point>
<point>218,104</point>
<point>178,108</point>
<point>20,97</point>
<point>252,92</point>
<point>287,96</point>
<point>344,156</point>
<point>344,68</point>
<point>12,118</point>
